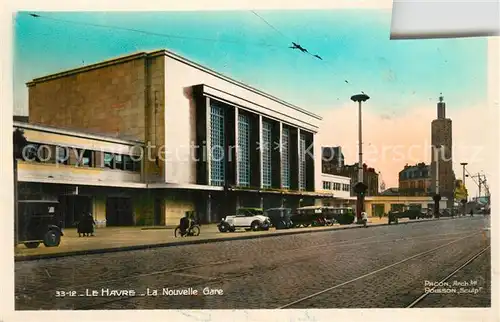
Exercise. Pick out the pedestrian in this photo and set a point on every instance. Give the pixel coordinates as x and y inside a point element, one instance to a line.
<point>91,224</point>
<point>364,218</point>
<point>80,225</point>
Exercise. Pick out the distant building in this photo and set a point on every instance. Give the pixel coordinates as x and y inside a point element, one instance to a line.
<point>415,180</point>
<point>441,132</point>
<point>390,192</point>
<point>339,187</point>
<point>332,159</point>
<point>333,163</point>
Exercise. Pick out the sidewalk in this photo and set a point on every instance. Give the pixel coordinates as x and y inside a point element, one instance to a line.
<point>112,239</point>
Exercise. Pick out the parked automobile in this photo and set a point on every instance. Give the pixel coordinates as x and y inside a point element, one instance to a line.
<point>306,216</point>
<point>38,222</point>
<point>393,216</point>
<point>246,218</point>
<point>447,213</point>
<point>412,213</point>
<point>340,215</point>
<point>322,216</point>
<point>426,213</point>
<point>280,217</point>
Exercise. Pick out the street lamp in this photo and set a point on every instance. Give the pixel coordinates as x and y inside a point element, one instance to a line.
<point>464,201</point>
<point>463,164</point>
<point>437,196</point>
<point>360,187</point>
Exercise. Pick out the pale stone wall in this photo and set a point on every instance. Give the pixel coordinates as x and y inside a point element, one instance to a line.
<point>100,210</point>
<point>108,100</point>
<point>124,99</point>
<point>175,210</point>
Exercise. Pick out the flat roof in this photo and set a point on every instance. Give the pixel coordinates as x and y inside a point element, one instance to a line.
<point>72,133</point>
<point>170,54</point>
<point>334,176</point>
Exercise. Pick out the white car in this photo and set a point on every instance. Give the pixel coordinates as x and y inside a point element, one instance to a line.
<point>247,218</point>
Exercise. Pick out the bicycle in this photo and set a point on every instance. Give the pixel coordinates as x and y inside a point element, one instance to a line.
<point>194,230</point>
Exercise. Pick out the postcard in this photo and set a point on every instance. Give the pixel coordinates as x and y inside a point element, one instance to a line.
<point>249,160</point>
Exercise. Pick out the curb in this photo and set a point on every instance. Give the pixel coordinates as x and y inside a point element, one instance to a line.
<point>22,258</point>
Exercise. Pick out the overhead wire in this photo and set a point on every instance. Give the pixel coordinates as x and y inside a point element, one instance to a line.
<point>183,37</point>
<point>296,45</point>
<point>151,33</point>
<point>267,22</point>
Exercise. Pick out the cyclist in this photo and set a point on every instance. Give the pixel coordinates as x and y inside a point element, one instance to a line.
<point>185,223</point>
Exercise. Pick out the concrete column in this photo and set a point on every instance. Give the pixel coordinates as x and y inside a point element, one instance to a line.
<point>261,202</point>
<point>237,147</point>
<point>299,158</point>
<point>260,152</point>
<point>208,149</point>
<point>209,208</point>
<point>99,210</point>
<point>281,153</point>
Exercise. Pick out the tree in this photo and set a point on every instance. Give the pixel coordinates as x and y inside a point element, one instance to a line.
<point>20,142</point>
<point>460,192</point>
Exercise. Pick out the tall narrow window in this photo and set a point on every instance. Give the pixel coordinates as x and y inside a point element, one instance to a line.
<point>266,154</point>
<point>285,158</point>
<point>217,146</point>
<point>128,163</point>
<point>85,157</point>
<point>302,163</point>
<point>108,160</point>
<point>119,161</point>
<point>243,150</point>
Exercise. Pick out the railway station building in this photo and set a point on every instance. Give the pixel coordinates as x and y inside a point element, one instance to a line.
<point>141,139</point>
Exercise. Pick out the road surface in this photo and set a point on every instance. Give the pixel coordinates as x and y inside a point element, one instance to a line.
<point>378,267</point>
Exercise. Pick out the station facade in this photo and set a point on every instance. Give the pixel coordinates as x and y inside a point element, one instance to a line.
<point>139,140</point>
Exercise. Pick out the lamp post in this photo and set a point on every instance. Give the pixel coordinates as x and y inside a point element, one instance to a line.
<point>360,187</point>
<point>463,164</point>
<point>464,201</point>
<point>437,196</point>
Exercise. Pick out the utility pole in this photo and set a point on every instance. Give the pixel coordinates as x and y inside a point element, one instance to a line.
<point>360,187</point>
<point>480,183</point>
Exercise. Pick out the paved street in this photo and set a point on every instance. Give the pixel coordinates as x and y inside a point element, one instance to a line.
<point>119,237</point>
<point>385,266</point>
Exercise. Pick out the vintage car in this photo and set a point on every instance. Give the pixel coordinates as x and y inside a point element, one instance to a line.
<point>280,217</point>
<point>340,215</point>
<point>245,218</point>
<point>38,222</point>
<point>311,216</point>
<point>393,216</point>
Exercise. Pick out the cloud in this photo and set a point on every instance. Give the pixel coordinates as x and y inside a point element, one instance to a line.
<point>391,141</point>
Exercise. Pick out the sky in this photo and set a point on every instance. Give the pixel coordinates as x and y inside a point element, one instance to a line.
<point>404,78</point>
